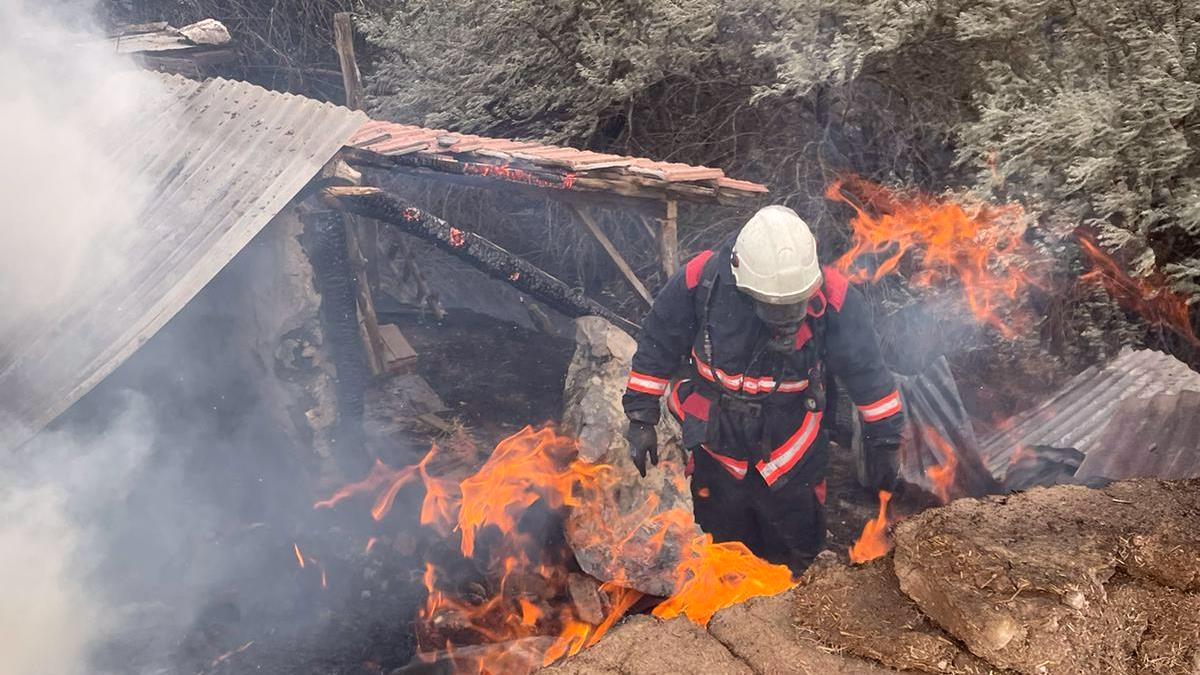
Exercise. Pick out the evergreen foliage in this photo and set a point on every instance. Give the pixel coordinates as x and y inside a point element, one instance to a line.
<point>1084,111</point>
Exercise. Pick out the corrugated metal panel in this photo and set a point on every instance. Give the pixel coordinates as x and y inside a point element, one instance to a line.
<point>219,159</point>
<point>392,139</point>
<point>1156,437</point>
<point>1094,411</point>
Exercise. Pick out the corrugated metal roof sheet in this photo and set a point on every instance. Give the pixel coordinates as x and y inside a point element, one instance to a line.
<point>391,139</point>
<point>1137,416</point>
<point>221,158</point>
<point>1156,437</point>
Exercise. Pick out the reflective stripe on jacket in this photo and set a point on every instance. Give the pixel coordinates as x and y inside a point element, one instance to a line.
<point>792,434</point>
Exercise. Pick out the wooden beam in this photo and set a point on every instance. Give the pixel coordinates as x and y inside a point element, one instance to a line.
<point>369,239</point>
<point>668,239</point>
<point>651,205</point>
<point>482,254</point>
<point>343,42</point>
<point>350,191</point>
<point>613,254</point>
<point>372,339</point>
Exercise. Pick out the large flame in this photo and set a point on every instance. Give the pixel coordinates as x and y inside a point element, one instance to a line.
<point>981,246</point>
<point>530,596</point>
<point>713,576</point>
<point>1149,297</point>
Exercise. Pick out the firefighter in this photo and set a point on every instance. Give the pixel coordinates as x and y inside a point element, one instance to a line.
<point>758,321</point>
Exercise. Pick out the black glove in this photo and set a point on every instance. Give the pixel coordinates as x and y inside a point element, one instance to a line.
<point>883,464</point>
<point>643,440</point>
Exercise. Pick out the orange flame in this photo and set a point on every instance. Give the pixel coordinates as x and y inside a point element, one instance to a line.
<point>874,541</point>
<point>370,544</point>
<point>439,509</point>
<point>525,468</point>
<point>299,558</point>
<point>1148,297</point>
<point>978,245</point>
<point>715,576</point>
<point>540,466</point>
<point>941,477</point>
<point>380,475</point>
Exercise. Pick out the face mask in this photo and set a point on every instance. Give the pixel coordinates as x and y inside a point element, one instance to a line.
<point>782,316</point>
<point>784,321</point>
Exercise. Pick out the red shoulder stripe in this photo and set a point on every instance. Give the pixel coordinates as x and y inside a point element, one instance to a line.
<point>695,268</point>
<point>835,286</point>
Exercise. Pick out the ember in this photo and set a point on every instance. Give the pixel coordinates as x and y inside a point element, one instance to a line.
<point>978,245</point>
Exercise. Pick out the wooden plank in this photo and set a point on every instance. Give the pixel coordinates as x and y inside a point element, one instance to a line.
<point>369,238</point>
<point>614,254</point>
<point>350,191</point>
<point>373,341</point>
<point>398,354</point>
<point>650,207</point>
<point>343,42</point>
<point>668,239</point>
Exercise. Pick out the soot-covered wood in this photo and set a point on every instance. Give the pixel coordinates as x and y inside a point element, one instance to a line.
<point>481,253</point>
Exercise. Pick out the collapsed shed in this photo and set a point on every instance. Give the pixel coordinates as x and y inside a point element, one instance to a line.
<point>262,185</point>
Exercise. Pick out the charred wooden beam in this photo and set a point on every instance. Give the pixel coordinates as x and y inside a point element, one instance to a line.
<point>325,244</point>
<point>479,252</point>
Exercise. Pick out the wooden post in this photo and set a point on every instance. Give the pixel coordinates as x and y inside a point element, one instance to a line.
<point>369,241</point>
<point>366,304</point>
<point>343,42</point>
<point>668,239</point>
<point>362,258</point>
<point>614,254</point>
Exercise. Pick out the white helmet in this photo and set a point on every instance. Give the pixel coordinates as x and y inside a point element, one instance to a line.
<point>775,258</point>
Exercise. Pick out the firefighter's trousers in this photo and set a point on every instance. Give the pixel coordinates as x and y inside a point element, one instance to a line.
<point>783,525</point>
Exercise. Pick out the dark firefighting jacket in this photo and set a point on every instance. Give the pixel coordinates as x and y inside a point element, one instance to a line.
<point>749,406</point>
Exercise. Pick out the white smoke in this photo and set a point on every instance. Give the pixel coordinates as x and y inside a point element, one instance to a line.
<point>66,101</point>
<point>64,97</point>
<point>50,616</point>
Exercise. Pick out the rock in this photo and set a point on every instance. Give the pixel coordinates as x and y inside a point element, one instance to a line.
<point>585,595</point>
<point>206,32</point>
<point>646,646</point>
<point>614,536</point>
<point>862,610</point>
<point>1060,580</point>
<point>761,633</point>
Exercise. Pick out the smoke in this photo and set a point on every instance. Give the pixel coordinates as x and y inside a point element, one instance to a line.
<point>65,100</point>
<point>50,616</point>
